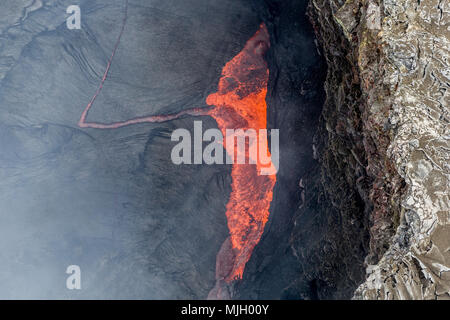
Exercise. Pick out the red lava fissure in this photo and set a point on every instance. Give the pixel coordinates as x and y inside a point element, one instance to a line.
<point>239,103</point>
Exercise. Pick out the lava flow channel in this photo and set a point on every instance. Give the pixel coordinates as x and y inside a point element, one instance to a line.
<point>239,103</point>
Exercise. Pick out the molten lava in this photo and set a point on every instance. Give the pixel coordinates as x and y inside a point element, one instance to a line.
<point>239,103</point>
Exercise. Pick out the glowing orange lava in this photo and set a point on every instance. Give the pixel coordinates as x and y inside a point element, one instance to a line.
<point>240,104</point>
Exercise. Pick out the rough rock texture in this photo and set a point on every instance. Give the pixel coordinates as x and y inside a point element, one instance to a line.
<point>315,247</point>
<point>397,91</point>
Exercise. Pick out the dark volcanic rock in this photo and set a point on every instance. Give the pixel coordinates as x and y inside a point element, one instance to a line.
<point>380,199</point>
<point>110,201</point>
<point>317,249</point>
<point>317,237</point>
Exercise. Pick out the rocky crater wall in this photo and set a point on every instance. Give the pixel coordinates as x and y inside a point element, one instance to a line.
<point>386,134</point>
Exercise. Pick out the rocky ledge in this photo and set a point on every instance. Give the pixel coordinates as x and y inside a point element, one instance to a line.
<point>386,133</point>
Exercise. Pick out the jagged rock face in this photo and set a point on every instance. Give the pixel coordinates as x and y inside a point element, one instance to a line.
<point>416,39</point>
<point>399,51</point>
<point>317,236</point>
